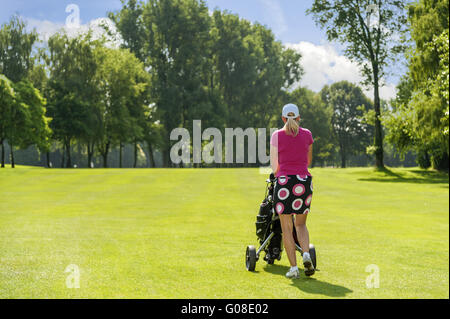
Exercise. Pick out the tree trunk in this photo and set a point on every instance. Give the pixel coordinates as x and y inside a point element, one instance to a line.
<point>105,160</point>
<point>12,155</point>
<point>120,154</point>
<point>48,159</point>
<point>442,163</point>
<point>343,159</point>
<point>150,155</point>
<point>105,155</point>
<point>69,159</point>
<point>90,153</point>
<point>166,162</point>
<point>3,154</point>
<point>343,155</point>
<point>89,160</point>
<point>135,154</point>
<point>379,163</point>
<point>63,158</point>
<point>166,157</point>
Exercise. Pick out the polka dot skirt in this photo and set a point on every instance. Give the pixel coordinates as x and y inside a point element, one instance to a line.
<point>293,194</point>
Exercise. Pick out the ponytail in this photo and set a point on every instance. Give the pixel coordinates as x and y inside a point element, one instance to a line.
<point>291,127</point>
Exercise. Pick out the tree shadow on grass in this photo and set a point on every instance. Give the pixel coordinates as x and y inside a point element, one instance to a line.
<point>310,285</point>
<point>418,176</point>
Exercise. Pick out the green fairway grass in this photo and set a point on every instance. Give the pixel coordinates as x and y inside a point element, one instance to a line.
<point>182,233</point>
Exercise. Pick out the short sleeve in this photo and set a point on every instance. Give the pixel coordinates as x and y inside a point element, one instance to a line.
<point>274,139</point>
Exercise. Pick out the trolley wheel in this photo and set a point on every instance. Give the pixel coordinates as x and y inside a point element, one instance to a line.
<point>250,258</point>
<point>312,253</point>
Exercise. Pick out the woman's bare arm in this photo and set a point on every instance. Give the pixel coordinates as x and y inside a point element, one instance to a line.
<point>274,159</point>
<point>310,151</point>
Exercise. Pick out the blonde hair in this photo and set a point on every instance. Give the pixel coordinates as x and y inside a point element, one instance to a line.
<point>291,127</point>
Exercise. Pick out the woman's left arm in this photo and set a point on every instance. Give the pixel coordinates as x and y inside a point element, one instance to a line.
<point>274,159</point>
<point>310,151</point>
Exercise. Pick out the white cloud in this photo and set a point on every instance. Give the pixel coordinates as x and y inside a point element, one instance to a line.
<point>46,29</point>
<point>387,92</point>
<point>323,65</point>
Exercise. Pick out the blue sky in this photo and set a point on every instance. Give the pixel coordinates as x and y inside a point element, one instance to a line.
<point>286,18</point>
<point>323,62</point>
<point>54,10</point>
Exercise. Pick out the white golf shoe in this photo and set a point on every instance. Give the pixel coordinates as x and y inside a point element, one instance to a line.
<point>293,273</point>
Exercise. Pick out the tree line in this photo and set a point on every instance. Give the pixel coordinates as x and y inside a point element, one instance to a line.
<point>180,62</point>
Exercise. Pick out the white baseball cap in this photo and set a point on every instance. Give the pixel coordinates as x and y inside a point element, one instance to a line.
<point>290,108</point>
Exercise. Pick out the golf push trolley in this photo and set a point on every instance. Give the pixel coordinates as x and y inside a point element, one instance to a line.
<point>268,230</point>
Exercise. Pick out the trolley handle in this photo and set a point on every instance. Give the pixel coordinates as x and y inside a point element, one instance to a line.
<point>271,178</point>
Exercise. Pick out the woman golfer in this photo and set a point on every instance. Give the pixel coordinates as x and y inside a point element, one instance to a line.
<point>290,156</point>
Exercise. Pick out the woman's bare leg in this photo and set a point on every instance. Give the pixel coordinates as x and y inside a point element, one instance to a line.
<point>302,232</point>
<point>288,238</point>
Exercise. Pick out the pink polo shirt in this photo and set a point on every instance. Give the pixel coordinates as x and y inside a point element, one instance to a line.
<point>292,151</point>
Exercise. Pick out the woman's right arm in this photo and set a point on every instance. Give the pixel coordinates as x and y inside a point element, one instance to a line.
<point>310,151</point>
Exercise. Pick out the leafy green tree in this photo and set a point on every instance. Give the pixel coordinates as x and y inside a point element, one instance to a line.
<point>32,121</point>
<point>23,121</point>
<point>72,91</point>
<point>349,105</point>
<point>17,119</point>
<point>7,100</point>
<point>251,70</point>
<point>129,22</point>
<point>419,120</point>
<point>130,25</point>
<point>177,46</point>
<point>370,30</point>
<point>153,133</point>
<point>235,65</point>
<point>16,45</point>
<point>123,97</point>
<point>38,76</point>
<point>276,69</point>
